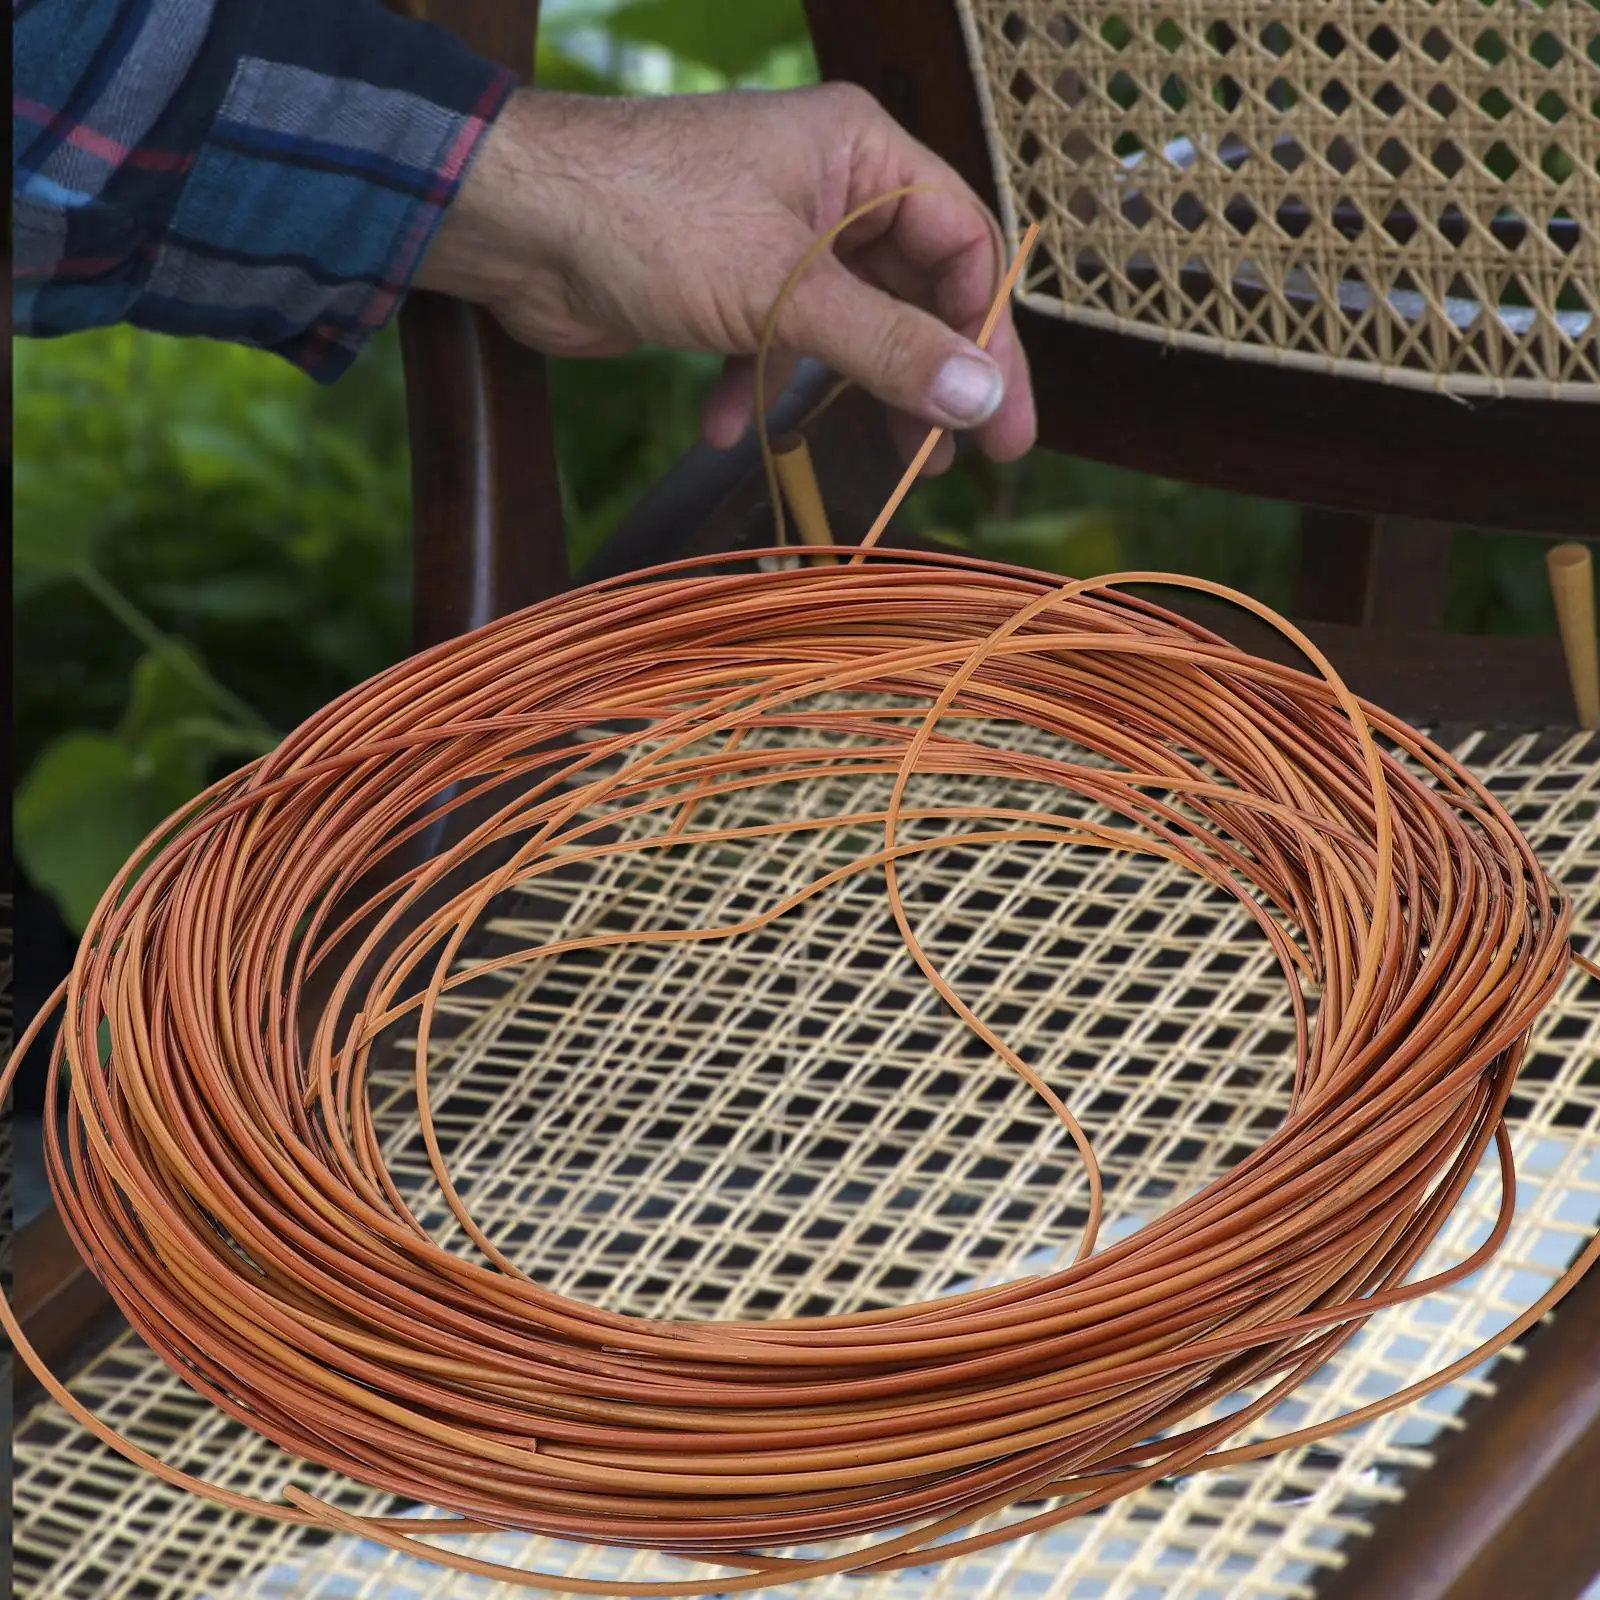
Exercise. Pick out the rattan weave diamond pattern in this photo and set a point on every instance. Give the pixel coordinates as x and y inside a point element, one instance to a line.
<point>1402,189</point>
<point>791,1122</point>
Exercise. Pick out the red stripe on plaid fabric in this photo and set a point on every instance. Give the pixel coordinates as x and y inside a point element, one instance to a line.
<point>99,144</point>
<point>473,128</point>
<point>81,266</point>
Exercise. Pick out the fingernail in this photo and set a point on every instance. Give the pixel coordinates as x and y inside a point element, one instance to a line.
<point>968,391</point>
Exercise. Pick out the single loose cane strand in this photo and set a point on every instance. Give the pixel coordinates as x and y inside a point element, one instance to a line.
<point>229,1186</point>
<point>769,329</point>
<point>920,459</point>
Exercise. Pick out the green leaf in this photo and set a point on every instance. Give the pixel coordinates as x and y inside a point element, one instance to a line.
<point>210,454</point>
<point>172,729</point>
<point>79,814</point>
<point>28,582</point>
<point>555,68</point>
<point>163,692</point>
<point>235,597</point>
<point>223,738</point>
<point>735,40</point>
<point>91,798</point>
<point>49,541</point>
<point>1078,543</point>
<point>950,538</point>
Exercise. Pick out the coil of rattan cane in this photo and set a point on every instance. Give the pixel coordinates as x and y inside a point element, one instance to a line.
<point>221,1170</point>
<point>221,1180</point>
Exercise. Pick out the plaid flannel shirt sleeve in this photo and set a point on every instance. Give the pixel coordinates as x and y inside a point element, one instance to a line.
<point>268,172</point>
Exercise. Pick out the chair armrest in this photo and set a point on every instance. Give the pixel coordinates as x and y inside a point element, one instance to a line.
<point>1509,1506</point>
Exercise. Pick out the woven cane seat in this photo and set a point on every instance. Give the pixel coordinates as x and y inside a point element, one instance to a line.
<point>1400,189</point>
<point>789,1122</point>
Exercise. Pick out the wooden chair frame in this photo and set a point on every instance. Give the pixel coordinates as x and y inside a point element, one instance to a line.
<point>1508,1508</point>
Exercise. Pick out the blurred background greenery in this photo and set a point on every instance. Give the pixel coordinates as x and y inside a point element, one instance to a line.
<point>208,546</point>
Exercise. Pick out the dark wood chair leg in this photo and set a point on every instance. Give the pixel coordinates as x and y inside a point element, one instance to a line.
<point>1410,576</point>
<point>59,1301</point>
<point>487,530</point>
<point>1385,573</point>
<point>1511,1506</point>
<point>1333,575</point>
<point>487,527</point>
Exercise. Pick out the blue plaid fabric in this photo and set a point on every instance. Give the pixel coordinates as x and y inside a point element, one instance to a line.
<point>268,172</point>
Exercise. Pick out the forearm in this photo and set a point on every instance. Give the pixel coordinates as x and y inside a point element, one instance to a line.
<point>548,219</point>
<point>264,171</point>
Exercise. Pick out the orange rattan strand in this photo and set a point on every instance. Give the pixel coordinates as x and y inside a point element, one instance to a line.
<point>222,1170</point>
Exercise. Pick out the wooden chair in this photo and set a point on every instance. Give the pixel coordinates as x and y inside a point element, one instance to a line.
<point>1485,1492</point>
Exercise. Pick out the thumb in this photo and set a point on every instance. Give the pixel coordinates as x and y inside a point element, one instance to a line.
<point>897,352</point>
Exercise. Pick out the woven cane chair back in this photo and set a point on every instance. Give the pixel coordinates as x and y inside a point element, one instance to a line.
<point>1403,190</point>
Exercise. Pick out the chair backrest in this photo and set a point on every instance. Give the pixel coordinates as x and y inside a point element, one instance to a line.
<point>1387,192</point>
<point>487,507</point>
<point>1304,251</point>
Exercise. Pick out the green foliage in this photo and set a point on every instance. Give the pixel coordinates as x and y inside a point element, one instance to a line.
<point>654,46</point>
<point>1498,584</point>
<point>556,68</point>
<point>207,546</point>
<point>78,816</point>
<point>1076,541</point>
<point>90,798</point>
<point>733,40</point>
<point>619,426</point>
<point>178,488</point>
<point>1078,517</point>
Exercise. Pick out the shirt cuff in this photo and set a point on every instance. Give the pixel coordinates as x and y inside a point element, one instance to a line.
<point>342,138</point>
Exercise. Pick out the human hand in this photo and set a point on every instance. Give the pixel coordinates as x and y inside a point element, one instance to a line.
<point>589,226</point>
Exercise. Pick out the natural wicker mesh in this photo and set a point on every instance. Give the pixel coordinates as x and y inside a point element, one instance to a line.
<point>1405,189</point>
<point>792,1121</point>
